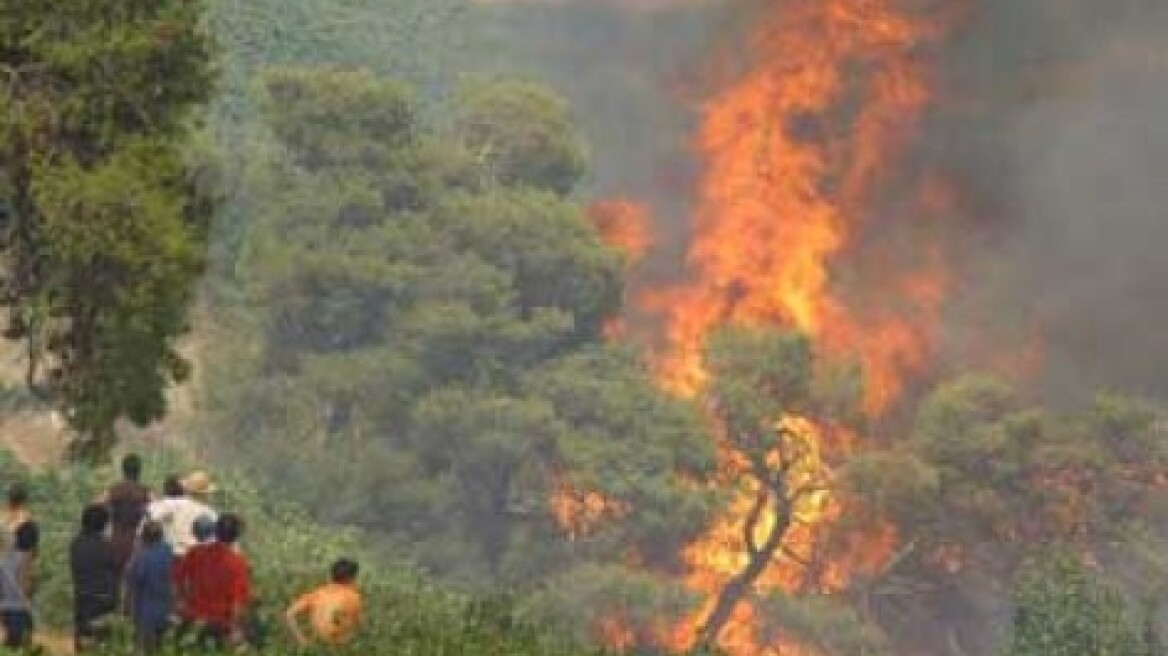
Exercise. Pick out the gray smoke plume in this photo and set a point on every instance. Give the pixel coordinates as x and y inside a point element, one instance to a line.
<point>1065,163</point>
<point>1051,122</point>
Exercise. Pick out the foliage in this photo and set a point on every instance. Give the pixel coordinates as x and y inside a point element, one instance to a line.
<point>425,357</point>
<point>522,133</point>
<point>986,480</point>
<point>765,390</point>
<point>104,213</point>
<point>1063,610</point>
<point>830,626</point>
<point>289,553</point>
<point>981,462</point>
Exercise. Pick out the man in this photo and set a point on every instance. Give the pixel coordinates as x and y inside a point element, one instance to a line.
<point>185,501</point>
<point>96,572</point>
<point>212,586</point>
<point>127,501</point>
<point>148,588</point>
<point>334,610</point>
<point>17,582</point>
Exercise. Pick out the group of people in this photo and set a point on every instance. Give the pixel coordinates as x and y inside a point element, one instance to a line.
<point>172,564</point>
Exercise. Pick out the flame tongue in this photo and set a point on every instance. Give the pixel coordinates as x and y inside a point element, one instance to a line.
<point>794,153</point>
<point>797,154</point>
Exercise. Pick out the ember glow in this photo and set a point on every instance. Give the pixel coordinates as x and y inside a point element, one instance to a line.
<point>578,512</point>
<point>624,225</point>
<point>799,154</point>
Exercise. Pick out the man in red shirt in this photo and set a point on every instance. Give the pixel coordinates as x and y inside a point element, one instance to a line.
<point>212,586</point>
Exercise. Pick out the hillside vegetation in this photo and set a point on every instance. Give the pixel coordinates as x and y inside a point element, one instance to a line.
<point>289,553</point>
<point>404,352</point>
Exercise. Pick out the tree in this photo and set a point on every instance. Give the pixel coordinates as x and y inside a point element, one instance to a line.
<point>105,219</point>
<point>985,480</point>
<point>1062,609</point>
<point>764,393</point>
<point>522,133</point>
<point>426,344</point>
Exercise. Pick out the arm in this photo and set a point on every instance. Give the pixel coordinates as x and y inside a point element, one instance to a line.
<point>130,583</point>
<point>28,539</point>
<point>241,594</point>
<point>28,578</point>
<point>292,615</point>
<point>178,578</point>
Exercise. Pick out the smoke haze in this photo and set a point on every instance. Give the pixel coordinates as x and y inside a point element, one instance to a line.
<point>1049,123</point>
<point>1064,159</point>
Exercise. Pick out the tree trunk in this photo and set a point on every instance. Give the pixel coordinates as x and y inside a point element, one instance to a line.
<point>759,557</point>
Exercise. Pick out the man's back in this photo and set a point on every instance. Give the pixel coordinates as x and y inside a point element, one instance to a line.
<point>22,535</point>
<point>334,611</point>
<point>94,567</point>
<point>213,582</point>
<point>127,503</point>
<point>13,596</point>
<point>177,516</point>
<point>148,583</point>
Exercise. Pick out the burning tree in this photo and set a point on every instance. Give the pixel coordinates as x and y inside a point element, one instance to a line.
<point>773,413</point>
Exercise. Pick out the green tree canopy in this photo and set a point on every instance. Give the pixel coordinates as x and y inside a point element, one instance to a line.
<point>429,330</point>
<point>104,212</point>
<point>522,133</point>
<point>1062,609</point>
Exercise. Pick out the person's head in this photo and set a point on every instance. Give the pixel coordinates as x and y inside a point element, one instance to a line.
<point>172,486</point>
<point>228,528</point>
<point>94,518</point>
<point>198,485</point>
<point>203,528</point>
<point>17,495</point>
<point>344,571</point>
<point>151,532</point>
<point>132,467</point>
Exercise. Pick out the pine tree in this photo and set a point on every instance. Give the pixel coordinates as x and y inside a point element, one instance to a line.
<point>1062,610</point>
<point>104,222</point>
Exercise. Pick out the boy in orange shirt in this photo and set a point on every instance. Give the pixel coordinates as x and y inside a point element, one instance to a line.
<point>334,609</point>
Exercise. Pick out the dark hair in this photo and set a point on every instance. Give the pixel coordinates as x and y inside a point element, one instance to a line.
<point>94,518</point>
<point>28,536</point>
<point>151,532</point>
<point>172,486</point>
<point>132,466</point>
<point>203,528</point>
<point>17,494</point>
<point>228,528</point>
<point>344,571</point>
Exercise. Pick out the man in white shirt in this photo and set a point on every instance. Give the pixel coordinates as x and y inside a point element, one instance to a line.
<point>185,502</point>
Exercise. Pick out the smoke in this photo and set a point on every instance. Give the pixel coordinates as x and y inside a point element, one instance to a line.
<point>1060,142</point>
<point>1048,124</point>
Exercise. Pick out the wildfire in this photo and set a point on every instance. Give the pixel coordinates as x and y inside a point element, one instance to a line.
<point>799,154</point>
<point>795,152</point>
<point>622,224</point>
<point>578,512</point>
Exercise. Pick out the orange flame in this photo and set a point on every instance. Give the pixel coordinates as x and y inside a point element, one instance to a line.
<point>797,158</point>
<point>622,224</point>
<point>787,182</point>
<point>578,513</point>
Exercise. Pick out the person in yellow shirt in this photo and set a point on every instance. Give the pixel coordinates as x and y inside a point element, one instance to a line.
<point>334,610</point>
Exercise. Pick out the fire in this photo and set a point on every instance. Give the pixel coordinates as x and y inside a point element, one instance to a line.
<point>787,183</point>
<point>622,224</point>
<point>799,154</point>
<point>578,512</point>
